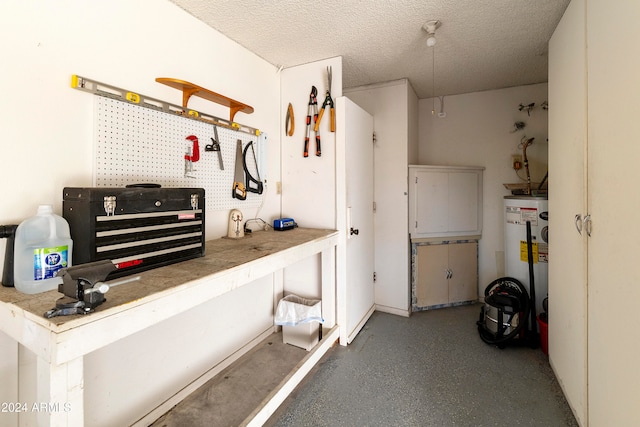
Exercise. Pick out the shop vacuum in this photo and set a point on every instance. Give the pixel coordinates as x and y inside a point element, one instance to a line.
<point>504,318</point>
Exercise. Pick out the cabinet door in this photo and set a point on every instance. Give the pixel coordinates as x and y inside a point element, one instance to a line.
<point>432,202</point>
<point>463,264</point>
<point>613,342</point>
<point>431,284</point>
<point>462,213</point>
<point>567,198</point>
<point>445,201</point>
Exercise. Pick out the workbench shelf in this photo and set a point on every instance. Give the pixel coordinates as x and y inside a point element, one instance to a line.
<point>275,367</point>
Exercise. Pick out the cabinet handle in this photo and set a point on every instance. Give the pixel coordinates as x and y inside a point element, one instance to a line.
<point>449,274</point>
<point>587,224</point>
<point>578,221</point>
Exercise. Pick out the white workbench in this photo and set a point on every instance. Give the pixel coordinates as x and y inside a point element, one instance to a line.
<point>61,343</point>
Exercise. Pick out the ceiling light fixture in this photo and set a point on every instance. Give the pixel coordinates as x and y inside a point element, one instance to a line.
<point>430,28</point>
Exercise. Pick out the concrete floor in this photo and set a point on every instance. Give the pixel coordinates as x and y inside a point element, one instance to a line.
<point>430,369</point>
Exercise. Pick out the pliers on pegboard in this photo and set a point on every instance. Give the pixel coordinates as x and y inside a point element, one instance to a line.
<point>328,102</point>
<point>312,110</point>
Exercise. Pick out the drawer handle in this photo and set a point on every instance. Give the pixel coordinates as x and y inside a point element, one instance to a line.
<point>586,222</point>
<point>578,222</point>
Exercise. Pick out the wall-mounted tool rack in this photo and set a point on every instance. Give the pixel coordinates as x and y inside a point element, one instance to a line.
<point>141,139</point>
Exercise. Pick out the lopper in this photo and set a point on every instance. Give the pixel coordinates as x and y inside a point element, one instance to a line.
<point>328,102</point>
<point>313,109</point>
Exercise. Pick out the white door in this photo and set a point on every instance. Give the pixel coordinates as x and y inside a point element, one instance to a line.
<point>614,245</point>
<point>354,166</point>
<point>568,198</point>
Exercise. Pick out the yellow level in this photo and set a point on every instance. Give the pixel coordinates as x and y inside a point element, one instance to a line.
<point>102,89</point>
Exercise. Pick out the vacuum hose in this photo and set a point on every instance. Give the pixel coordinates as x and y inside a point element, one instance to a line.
<point>532,289</point>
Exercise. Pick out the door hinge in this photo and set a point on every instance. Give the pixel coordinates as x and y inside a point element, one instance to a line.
<point>374,138</point>
<point>374,207</point>
<point>375,277</point>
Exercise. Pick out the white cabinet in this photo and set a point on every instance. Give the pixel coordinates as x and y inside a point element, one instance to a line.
<point>594,64</point>
<point>445,273</point>
<point>445,208</point>
<point>394,107</point>
<point>445,201</point>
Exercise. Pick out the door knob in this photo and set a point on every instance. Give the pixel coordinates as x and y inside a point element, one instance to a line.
<point>354,231</point>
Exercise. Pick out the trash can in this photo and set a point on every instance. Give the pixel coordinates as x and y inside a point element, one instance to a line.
<point>543,324</point>
<point>300,319</point>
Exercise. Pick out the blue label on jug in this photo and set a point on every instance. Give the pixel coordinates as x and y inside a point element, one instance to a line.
<point>46,261</point>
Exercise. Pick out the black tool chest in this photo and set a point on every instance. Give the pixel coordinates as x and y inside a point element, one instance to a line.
<point>137,228</point>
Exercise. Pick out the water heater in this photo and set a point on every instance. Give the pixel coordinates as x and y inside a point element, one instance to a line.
<point>517,211</point>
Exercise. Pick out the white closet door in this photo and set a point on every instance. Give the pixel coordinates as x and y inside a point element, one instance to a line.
<point>567,198</point>
<point>614,246</point>
<point>354,165</point>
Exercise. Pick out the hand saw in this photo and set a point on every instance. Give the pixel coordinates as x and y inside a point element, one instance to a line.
<point>250,179</point>
<point>239,190</point>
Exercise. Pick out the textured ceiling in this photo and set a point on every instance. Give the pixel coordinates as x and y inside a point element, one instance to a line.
<point>481,45</point>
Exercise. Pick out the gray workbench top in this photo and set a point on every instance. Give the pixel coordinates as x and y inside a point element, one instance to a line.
<point>222,255</point>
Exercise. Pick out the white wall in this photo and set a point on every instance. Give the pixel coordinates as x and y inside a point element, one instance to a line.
<point>308,183</point>
<point>477,131</point>
<point>47,143</point>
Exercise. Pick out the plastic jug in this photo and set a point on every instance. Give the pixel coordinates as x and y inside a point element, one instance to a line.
<point>43,246</point>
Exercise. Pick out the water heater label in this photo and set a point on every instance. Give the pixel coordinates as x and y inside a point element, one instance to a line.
<point>519,215</point>
<point>524,253</point>
<point>540,252</point>
<point>46,261</point>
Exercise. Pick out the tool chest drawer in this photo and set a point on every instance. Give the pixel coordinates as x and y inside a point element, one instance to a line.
<point>137,228</point>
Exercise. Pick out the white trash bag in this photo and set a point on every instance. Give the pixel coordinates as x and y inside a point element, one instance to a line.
<point>293,310</point>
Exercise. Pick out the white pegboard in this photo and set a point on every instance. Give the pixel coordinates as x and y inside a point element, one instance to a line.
<point>135,144</point>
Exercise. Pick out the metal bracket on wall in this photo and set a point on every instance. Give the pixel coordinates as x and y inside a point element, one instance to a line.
<point>108,91</point>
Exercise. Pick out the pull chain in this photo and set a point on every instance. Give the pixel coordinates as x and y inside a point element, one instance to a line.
<point>433,81</point>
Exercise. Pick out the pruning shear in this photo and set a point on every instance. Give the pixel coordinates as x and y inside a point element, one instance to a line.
<point>328,102</point>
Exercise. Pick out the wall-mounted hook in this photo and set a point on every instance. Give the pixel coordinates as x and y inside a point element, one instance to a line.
<point>527,107</point>
<point>518,126</point>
